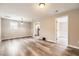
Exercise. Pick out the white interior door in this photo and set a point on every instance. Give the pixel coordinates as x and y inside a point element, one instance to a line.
<point>62,30</point>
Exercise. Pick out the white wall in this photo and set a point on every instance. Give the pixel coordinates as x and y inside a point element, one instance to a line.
<point>73,26</point>
<point>21,31</point>
<point>48,27</point>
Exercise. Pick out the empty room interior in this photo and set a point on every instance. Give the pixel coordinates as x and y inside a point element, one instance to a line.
<point>39,29</point>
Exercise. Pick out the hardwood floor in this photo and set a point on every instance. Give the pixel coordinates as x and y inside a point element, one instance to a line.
<point>32,47</point>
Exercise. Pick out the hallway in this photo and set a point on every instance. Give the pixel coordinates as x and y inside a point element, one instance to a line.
<point>31,47</point>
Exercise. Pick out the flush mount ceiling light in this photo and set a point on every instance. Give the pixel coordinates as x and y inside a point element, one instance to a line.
<point>41,5</point>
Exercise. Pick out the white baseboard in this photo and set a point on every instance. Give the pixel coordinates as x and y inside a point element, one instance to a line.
<point>73,46</point>
<point>51,41</point>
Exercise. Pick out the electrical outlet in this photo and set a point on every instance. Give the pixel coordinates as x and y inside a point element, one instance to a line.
<point>78,41</point>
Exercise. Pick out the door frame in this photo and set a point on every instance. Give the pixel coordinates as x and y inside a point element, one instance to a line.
<point>56,27</point>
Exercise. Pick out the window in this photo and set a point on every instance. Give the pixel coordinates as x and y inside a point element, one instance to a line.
<point>13,25</point>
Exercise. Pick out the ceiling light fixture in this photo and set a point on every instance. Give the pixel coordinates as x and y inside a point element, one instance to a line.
<point>41,5</point>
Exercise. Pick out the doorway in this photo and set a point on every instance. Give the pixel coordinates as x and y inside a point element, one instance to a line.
<point>62,30</point>
<point>36,32</point>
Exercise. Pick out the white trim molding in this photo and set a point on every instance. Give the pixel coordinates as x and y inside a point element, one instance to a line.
<point>73,46</point>
<point>51,41</point>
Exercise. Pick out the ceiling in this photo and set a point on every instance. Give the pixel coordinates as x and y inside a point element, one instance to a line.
<point>31,11</point>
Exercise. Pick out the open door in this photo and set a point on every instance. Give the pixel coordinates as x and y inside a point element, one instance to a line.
<point>37,30</point>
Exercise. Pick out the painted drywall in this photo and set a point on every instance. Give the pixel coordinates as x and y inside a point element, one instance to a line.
<point>48,27</point>
<point>8,31</point>
<point>73,26</point>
